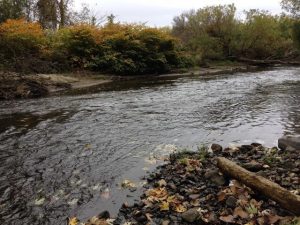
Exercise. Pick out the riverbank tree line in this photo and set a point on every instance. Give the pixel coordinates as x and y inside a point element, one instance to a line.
<point>48,36</point>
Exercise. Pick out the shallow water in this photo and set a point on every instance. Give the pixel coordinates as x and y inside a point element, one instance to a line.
<point>64,156</point>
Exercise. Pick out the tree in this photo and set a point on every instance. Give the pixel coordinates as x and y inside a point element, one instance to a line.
<point>207,31</point>
<point>53,13</point>
<point>12,9</point>
<point>87,16</point>
<point>292,6</point>
<point>47,13</point>
<point>111,19</point>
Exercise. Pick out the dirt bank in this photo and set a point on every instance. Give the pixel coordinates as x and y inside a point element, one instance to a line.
<point>15,85</point>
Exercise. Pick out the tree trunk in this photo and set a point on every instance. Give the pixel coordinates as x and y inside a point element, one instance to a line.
<point>264,186</point>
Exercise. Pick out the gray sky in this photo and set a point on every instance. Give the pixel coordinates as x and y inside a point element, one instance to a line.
<point>161,12</point>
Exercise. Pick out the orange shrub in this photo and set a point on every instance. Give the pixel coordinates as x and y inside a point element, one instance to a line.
<point>19,38</point>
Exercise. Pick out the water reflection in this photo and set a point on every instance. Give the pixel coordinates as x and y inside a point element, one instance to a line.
<point>59,154</point>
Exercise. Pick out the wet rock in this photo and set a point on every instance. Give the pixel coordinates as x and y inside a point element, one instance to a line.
<point>132,189</point>
<point>231,201</point>
<point>289,143</point>
<point>191,215</point>
<point>246,148</point>
<point>104,215</point>
<point>140,217</point>
<point>255,145</point>
<point>216,148</point>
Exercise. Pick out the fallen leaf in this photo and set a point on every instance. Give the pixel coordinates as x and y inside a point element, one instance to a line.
<point>221,196</point>
<point>180,208</point>
<point>162,183</point>
<point>73,221</point>
<point>238,211</point>
<point>148,216</point>
<point>157,194</point>
<point>195,202</point>
<point>274,218</point>
<point>39,201</point>
<point>73,201</point>
<point>88,146</point>
<point>251,209</point>
<point>110,221</point>
<point>227,219</point>
<point>127,184</point>
<point>164,206</point>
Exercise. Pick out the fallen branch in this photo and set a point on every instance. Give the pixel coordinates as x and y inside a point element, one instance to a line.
<point>264,186</point>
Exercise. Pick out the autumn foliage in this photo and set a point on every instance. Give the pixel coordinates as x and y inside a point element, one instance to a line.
<point>120,49</point>
<point>113,48</point>
<point>19,38</point>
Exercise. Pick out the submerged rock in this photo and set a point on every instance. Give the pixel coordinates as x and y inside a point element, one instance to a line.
<point>289,143</point>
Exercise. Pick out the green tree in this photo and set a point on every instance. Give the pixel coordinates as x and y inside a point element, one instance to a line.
<point>207,32</point>
<point>12,9</point>
<point>53,13</point>
<point>292,6</point>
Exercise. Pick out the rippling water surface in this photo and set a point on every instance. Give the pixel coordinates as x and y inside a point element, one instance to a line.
<point>64,155</point>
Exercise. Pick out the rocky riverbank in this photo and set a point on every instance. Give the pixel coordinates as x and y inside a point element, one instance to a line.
<point>190,189</point>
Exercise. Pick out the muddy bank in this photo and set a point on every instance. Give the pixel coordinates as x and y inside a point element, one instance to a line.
<point>15,86</point>
<point>190,189</point>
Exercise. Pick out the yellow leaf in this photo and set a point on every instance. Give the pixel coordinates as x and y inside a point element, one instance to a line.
<point>73,221</point>
<point>164,206</point>
<point>162,183</point>
<point>127,184</point>
<point>157,194</point>
<point>180,208</point>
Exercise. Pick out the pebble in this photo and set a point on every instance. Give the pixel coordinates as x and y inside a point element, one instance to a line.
<point>191,215</point>
<point>231,201</point>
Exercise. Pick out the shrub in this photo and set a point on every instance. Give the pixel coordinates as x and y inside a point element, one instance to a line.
<point>141,50</point>
<point>20,38</point>
<point>120,49</point>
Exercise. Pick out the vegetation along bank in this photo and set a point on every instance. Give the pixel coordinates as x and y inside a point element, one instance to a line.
<point>34,40</point>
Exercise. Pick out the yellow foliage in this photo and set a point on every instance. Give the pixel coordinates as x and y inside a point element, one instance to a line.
<point>20,27</point>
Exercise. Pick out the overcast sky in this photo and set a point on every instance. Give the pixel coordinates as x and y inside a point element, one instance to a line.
<point>161,12</point>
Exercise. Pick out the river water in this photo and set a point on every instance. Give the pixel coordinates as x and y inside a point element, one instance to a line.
<point>65,155</point>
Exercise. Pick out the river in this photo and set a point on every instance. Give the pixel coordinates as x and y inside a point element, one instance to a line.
<point>65,155</point>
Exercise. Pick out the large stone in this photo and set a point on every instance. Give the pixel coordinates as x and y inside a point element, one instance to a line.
<point>191,215</point>
<point>289,143</point>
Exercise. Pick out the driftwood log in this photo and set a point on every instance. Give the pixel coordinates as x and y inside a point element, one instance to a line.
<point>283,197</point>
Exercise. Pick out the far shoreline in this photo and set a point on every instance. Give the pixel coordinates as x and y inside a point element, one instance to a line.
<point>17,86</point>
